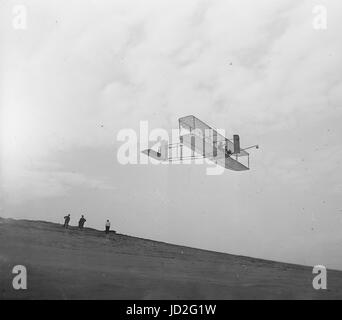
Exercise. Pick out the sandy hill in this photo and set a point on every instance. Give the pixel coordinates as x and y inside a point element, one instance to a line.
<point>73,264</point>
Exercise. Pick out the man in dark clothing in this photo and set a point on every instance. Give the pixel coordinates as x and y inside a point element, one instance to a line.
<point>66,221</point>
<point>107,226</point>
<point>81,222</point>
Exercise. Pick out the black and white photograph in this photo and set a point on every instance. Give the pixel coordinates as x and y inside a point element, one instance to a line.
<point>168,150</point>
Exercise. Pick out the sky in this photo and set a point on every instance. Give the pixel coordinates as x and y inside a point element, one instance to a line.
<point>74,74</point>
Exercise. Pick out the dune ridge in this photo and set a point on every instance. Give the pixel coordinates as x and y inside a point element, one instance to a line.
<point>74,264</point>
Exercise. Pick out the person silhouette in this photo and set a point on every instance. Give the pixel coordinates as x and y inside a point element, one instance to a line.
<point>66,221</point>
<point>107,226</point>
<point>81,222</point>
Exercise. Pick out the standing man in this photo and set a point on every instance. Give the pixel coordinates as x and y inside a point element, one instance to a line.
<point>107,226</point>
<point>66,221</point>
<point>81,222</point>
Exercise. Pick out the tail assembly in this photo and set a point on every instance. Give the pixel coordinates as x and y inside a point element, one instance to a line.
<point>161,154</point>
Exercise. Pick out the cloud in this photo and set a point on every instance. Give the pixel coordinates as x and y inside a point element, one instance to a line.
<point>257,71</point>
<point>45,180</point>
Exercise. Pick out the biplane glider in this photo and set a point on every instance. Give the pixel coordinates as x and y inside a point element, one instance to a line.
<point>203,141</point>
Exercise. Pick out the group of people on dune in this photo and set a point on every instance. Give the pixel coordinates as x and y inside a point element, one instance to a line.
<point>81,223</point>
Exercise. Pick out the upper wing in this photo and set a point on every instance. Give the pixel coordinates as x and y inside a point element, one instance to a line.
<point>217,154</point>
<point>192,125</point>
